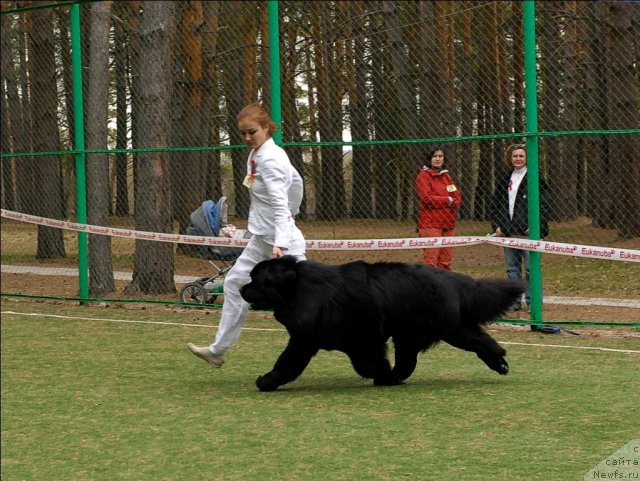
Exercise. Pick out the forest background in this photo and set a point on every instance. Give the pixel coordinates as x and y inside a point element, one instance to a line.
<point>163,81</point>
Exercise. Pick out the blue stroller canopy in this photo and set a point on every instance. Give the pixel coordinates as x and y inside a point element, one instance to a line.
<point>207,220</point>
<point>213,213</point>
<point>210,217</point>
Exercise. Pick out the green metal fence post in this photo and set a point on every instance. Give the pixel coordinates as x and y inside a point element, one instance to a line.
<point>78,118</point>
<point>531,110</point>
<point>274,68</point>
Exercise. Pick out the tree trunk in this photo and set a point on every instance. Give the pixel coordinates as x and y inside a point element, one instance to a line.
<point>502,92</point>
<point>622,105</point>
<point>211,101</point>
<point>384,177</point>
<point>312,81</point>
<point>69,168</point>
<point>236,15</point>
<point>121,73</point>
<point>134,19</point>
<point>432,81</point>
<point>154,262</point>
<point>101,278</point>
<point>599,189</point>
<point>566,167</point>
<point>467,180</point>
<point>409,126</point>
<point>249,34</point>
<point>189,174</point>
<point>518,66</point>
<point>487,104</point>
<point>551,97</point>
<point>264,56</point>
<point>361,155</point>
<point>8,195</point>
<point>25,166</point>
<point>290,116</point>
<point>331,199</point>
<point>11,113</point>
<point>49,202</point>
<point>180,135</point>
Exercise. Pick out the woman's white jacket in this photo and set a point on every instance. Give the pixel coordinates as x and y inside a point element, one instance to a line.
<point>276,194</point>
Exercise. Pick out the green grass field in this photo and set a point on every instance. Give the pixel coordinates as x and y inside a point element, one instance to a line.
<point>86,396</point>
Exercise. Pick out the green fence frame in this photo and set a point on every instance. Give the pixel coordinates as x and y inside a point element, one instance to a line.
<point>80,155</point>
<point>533,162</point>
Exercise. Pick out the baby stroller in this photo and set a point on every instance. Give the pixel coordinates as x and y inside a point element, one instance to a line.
<point>210,219</point>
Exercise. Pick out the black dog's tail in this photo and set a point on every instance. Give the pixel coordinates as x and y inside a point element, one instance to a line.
<point>492,297</point>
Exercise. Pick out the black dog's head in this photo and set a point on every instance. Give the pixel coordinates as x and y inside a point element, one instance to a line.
<point>272,283</point>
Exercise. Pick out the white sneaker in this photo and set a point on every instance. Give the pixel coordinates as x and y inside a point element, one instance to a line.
<point>205,354</point>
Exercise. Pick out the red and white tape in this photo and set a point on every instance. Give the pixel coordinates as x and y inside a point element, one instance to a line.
<point>577,250</point>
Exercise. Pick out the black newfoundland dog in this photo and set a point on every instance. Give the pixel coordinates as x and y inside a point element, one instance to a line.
<point>356,307</point>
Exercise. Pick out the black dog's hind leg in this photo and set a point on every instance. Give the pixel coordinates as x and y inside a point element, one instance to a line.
<point>371,362</point>
<point>290,364</point>
<point>487,348</point>
<point>406,357</point>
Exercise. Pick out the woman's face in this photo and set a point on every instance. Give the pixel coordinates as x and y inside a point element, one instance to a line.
<point>437,159</point>
<point>252,133</point>
<point>518,158</point>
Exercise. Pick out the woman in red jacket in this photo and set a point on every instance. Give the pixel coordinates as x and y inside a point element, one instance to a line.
<point>439,199</point>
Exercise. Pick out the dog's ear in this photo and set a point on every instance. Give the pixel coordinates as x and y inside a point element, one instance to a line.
<point>287,269</point>
<point>283,271</point>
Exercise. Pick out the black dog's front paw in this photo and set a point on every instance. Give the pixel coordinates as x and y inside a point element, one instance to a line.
<point>500,366</point>
<point>265,384</point>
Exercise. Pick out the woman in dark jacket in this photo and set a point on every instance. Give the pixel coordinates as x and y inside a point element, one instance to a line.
<point>510,213</point>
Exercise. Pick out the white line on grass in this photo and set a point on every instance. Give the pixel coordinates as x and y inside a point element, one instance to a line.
<point>628,351</point>
<point>177,324</point>
<point>128,321</point>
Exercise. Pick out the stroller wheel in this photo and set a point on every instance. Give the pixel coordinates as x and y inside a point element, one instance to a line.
<point>193,293</point>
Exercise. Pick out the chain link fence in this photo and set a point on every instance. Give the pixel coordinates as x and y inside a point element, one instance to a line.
<point>365,89</point>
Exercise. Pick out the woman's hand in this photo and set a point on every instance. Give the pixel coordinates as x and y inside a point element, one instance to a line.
<point>277,252</point>
<point>499,232</point>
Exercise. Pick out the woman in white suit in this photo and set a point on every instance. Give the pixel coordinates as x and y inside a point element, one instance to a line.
<point>276,190</point>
